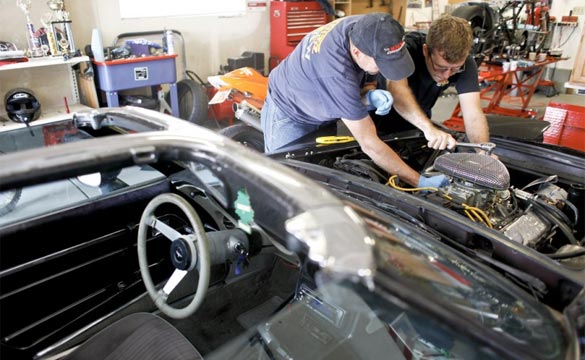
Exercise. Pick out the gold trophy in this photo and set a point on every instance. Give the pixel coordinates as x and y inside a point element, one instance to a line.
<point>60,36</point>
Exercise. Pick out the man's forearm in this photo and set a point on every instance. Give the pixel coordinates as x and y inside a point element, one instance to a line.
<point>388,159</point>
<point>364,132</point>
<point>406,105</point>
<point>476,127</point>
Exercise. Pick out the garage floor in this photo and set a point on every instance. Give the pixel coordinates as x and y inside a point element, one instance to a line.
<point>445,105</point>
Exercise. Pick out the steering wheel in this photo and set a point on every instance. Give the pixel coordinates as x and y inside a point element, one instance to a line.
<point>188,251</point>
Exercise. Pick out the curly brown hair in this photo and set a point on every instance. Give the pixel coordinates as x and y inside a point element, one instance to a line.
<point>451,37</point>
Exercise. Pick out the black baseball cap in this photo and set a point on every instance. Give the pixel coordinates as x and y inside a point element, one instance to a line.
<point>380,36</point>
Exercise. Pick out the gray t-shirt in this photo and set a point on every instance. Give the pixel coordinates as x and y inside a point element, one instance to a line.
<point>319,82</point>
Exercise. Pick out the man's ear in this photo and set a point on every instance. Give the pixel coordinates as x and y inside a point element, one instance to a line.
<point>425,50</point>
<point>355,51</point>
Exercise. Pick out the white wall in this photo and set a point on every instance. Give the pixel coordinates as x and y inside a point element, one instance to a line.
<point>558,9</point>
<point>209,40</point>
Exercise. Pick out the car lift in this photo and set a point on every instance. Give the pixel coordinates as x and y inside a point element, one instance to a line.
<point>521,83</point>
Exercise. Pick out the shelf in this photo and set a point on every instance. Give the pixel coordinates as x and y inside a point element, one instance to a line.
<point>51,79</point>
<point>47,116</point>
<point>44,61</point>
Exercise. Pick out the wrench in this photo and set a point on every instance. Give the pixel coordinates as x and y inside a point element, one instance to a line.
<point>487,147</point>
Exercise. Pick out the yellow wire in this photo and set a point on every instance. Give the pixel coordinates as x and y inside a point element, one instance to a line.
<point>392,183</point>
<point>477,216</point>
<point>471,211</point>
<point>480,214</point>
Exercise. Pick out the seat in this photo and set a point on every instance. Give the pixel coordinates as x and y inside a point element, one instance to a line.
<point>140,336</point>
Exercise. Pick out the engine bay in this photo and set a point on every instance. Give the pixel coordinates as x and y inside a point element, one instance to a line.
<point>540,207</point>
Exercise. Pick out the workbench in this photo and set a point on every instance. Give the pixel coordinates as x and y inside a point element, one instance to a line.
<point>520,83</point>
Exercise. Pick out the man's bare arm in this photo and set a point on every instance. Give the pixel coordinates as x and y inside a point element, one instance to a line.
<point>364,131</point>
<point>406,105</point>
<point>476,126</point>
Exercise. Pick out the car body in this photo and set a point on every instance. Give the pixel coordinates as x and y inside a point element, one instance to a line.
<point>243,255</point>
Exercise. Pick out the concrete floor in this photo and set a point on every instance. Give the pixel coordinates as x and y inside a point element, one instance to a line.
<point>445,105</point>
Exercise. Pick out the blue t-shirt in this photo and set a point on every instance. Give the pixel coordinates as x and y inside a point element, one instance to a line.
<point>319,82</point>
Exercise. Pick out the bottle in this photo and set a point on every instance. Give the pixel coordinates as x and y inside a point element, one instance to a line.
<point>168,42</point>
<point>96,45</point>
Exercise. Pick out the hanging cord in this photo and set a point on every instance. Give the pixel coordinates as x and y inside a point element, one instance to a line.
<point>561,35</point>
<point>192,75</point>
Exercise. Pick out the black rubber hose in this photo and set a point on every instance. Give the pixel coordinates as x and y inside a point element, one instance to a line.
<point>567,255</point>
<point>539,208</point>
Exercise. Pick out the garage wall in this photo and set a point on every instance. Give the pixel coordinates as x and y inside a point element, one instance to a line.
<point>560,8</point>
<point>209,40</point>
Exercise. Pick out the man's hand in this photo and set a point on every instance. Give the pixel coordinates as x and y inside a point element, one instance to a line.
<point>439,140</point>
<point>436,181</point>
<point>381,100</point>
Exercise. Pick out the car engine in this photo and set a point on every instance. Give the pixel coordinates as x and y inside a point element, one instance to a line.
<point>480,189</point>
<point>539,215</point>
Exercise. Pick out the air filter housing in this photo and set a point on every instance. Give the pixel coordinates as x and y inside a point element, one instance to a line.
<point>482,170</point>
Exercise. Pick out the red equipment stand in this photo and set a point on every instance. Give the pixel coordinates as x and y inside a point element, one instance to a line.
<point>520,83</point>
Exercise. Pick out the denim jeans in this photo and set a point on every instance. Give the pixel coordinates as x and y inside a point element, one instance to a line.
<point>279,129</point>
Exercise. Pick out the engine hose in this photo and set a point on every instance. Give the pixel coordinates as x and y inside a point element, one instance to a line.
<point>567,255</point>
<point>547,214</point>
<point>573,208</point>
<point>556,212</point>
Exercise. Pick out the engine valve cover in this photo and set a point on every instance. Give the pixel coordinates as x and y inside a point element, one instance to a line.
<point>478,169</point>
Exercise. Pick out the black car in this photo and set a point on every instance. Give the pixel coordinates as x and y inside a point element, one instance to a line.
<point>520,211</point>
<point>138,235</point>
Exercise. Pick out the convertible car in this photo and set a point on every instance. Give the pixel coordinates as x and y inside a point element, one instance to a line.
<point>129,234</point>
<point>517,206</point>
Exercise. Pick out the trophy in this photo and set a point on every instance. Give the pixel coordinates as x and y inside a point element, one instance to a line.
<point>34,43</point>
<point>60,36</point>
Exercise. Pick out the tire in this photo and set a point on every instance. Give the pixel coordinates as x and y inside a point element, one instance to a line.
<point>193,101</point>
<point>245,135</point>
<point>482,21</point>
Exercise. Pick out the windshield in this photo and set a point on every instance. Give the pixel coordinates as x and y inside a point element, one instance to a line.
<point>340,319</point>
<point>24,203</point>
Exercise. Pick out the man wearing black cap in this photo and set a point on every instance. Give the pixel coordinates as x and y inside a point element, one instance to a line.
<point>319,83</point>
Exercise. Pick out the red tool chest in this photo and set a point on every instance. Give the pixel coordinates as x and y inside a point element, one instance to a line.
<point>290,21</point>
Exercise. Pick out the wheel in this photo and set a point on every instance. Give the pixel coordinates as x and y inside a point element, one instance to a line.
<point>188,251</point>
<point>193,101</point>
<point>482,21</point>
<point>246,135</point>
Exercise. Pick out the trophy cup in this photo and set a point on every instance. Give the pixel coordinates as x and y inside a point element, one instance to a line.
<point>61,37</point>
<point>34,43</point>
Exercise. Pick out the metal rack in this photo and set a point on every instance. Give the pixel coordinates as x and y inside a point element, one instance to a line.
<point>519,84</point>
